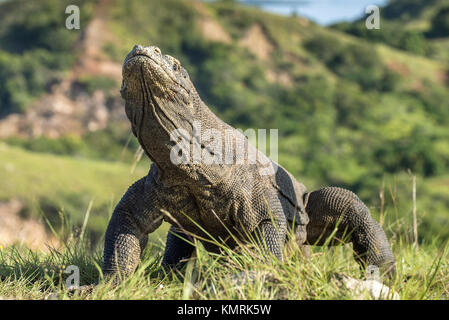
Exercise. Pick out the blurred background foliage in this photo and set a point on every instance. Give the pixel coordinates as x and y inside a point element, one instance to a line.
<point>354,107</point>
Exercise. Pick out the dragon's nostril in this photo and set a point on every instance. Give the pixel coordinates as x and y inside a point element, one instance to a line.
<point>157,50</point>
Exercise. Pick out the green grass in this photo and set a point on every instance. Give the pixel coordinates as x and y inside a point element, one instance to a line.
<point>440,49</point>
<point>27,174</point>
<point>421,274</point>
<point>417,68</point>
<point>53,185</point>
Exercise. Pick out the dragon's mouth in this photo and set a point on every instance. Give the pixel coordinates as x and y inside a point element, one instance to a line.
<point>150,62</point>
<point>136,55</point>
<point>156,67</point>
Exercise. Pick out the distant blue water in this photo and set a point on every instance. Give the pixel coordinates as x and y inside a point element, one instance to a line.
<point>326,12</point>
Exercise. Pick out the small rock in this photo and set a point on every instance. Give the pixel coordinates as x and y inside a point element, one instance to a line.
<point>374,288</point>
<point>52,296</point>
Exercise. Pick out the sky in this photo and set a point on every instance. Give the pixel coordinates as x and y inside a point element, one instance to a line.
<point>326,12</point>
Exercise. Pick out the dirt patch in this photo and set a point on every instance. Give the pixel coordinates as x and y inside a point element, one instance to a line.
<point>209,27</point>
<point>283,78</point>
<point>92,60</point>
<point>303,21</point>
<point>417,86</point>
<point>399,68</point>
<point>212,31</point>
<point>257,42</point>
<point>443,76</point>
<point>17,230</point>
<point>58,114</point>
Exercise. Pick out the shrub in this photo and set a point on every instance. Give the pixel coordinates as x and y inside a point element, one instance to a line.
<point>440,24</point>
<point>94,83</point>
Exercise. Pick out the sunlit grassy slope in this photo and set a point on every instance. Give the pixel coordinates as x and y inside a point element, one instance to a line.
<point>61,187</point>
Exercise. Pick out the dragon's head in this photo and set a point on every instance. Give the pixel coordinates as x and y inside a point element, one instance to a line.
<point>156,86</point>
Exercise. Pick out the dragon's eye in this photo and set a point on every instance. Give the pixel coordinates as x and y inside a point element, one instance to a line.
<point>176,64</point>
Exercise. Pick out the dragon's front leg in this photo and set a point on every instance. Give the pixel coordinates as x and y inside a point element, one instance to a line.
<point>127,234</point>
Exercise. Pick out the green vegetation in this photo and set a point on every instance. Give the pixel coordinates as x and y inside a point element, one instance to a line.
<point>61,187</point>
<point>390,33</point>
<point>407,25</point>
<point>172,24</point>
<point>90,84</point>
<point>115,143</point>
<point>35,49</point>
<point>440,24</point>
<point>421,274</point>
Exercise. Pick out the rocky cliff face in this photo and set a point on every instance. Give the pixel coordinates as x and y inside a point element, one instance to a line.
<point>69,107</point>
<point>67,110</point>
<point>29,232</point>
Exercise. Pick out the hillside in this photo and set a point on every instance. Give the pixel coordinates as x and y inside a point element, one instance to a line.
<point>420,27</point>
<point>349,112</point>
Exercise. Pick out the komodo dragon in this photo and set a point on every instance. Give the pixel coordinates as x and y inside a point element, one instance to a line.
<point>250,199</point>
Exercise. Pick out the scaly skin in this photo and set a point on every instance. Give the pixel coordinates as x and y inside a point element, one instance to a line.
<point>335,207</point>
<point>249,199</point>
